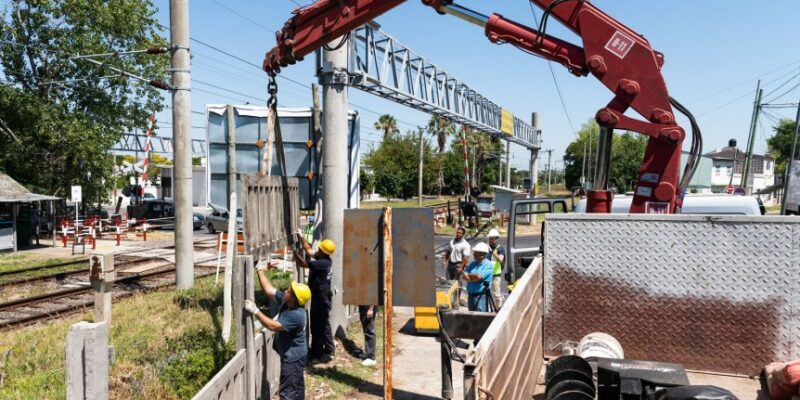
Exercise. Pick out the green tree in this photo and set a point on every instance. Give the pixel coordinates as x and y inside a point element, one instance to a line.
<point>440,127</point>
<point>395,165</point>
<point>64,112</point>
<point>367,182</point>
<point>627,152</point>
<point>780,145</point>
<point>388,124</point>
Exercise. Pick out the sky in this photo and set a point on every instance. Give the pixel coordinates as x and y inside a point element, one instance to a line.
<point>715,52</point>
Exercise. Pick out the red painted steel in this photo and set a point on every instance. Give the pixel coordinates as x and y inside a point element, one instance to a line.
<point>616,55</point>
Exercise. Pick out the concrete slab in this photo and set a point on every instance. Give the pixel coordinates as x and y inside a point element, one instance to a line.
<point>417,365</point>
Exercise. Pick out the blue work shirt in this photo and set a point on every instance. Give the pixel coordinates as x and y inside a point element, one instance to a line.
<point>291,343</point>
<point>484,269</point>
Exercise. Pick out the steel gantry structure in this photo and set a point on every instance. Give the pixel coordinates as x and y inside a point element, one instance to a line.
<point>135,142</point>
<point>382,65</point>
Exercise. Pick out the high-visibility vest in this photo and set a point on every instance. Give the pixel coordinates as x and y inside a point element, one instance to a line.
<point>308,233</point>
<point>498,265</point>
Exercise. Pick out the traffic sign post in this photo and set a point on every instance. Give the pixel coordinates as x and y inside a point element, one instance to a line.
<point>729,189</point>
<point>76,197</point>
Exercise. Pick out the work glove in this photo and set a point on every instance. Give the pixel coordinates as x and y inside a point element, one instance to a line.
<point>251,307</point>
<point>261,266</point>
<point>299,233</point>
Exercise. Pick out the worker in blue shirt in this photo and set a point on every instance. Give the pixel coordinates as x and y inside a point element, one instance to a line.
<point>478,276</point>
<point>290,332</point>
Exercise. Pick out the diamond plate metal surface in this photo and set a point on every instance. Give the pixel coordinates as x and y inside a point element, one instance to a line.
<point>713,293</point>
<point>413,279</point>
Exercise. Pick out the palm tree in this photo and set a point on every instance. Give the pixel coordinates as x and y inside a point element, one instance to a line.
<point>441,127</point>
<point>387,124</point>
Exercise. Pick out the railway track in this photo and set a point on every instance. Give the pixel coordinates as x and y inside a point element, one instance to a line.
<point>29,310</point>
<point>80,268</point>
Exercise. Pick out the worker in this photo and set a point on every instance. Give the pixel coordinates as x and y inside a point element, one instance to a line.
<point>478,276</point>
<point>457,255</point>
<point>497,256</point>
<point>319,279</point>
<point>290,332</point>
<point>367,316</point>
<point>308,231</point>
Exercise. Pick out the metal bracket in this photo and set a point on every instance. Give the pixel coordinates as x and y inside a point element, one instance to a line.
<point>330,75</point>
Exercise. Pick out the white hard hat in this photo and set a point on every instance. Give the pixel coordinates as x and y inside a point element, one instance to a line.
<point>493,233</point>
<point>481,248</point>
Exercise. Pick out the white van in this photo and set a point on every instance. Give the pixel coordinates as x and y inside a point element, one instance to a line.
<point>709,204</point>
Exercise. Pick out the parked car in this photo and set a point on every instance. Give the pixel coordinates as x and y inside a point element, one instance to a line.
<point>152,209</point>
<point>92,211</point>
<point>485,206</point>
<point>218,219</point>
<point>722,204</point>
<point>198,220</point>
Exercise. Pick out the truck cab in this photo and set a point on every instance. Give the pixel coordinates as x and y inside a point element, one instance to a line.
<point>526,220</point>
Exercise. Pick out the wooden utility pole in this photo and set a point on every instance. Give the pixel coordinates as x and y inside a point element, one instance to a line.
<point>751,136</point>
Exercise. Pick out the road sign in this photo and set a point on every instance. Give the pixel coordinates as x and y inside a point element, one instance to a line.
<point>76,194</point>
<point>729,189</point>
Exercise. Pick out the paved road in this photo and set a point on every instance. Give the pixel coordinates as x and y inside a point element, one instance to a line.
<point>522,241</point>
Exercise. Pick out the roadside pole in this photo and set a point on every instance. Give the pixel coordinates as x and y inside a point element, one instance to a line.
<point>182,137</point>
<point>788,173</point>
<point>334,81</point>
<point>419,178</point>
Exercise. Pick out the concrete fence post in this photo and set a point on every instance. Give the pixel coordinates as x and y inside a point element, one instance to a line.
<point>87,361</point>
<point>102,275</point>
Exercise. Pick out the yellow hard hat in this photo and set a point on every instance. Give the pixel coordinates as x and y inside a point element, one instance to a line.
<point>301,292</point>
<point>327,246</point>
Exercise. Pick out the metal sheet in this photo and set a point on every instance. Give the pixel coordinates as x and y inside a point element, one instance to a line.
<point>713,293</point>
<point>414,259</point>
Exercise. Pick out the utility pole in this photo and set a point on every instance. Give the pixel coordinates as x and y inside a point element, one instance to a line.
<point>334,81</point>
<point>583,164</point>
<point>508,163</point>
<point>549,168</point>
<point>533,166</point>
<point>182,137</point>
<point>590,163</point>
<point>419,178</point>
<point>751,137</point>
<point>788,173</point>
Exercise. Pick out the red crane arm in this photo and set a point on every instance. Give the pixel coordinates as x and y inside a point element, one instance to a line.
<point>616,55</point>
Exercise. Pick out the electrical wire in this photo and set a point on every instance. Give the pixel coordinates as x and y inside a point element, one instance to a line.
<point>553,74</point>
<point>781,85</point>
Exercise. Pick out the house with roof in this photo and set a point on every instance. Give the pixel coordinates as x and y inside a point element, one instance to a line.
<point>727,166</point>
<point>19,211</point>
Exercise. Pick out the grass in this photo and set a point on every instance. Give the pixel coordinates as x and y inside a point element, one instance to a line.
<point>406,203</point>
<point>167,347</point>
<point>15,261</point>
<point>344,377</point>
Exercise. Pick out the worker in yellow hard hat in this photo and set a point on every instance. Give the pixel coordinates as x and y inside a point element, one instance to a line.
<point>290,332</point>
<point>319,280</point>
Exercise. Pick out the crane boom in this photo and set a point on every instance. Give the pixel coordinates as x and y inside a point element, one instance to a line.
<point>616,55</point>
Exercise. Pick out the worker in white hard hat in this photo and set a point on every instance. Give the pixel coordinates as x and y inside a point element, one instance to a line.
<point>497,255</point>
<point>479,277</point>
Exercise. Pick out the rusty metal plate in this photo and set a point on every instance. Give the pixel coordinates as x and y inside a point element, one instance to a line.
<point>712,293</point>
<point>414,261</point>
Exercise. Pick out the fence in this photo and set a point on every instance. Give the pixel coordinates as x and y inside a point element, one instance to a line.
<point>270,215</point>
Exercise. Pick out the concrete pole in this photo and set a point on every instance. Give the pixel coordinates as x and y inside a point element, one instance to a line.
<point>508,164</point>
<point>419,178</point>
<point>751,136</point>
<point>334,165</point>
<point>549,168</point>
<point>533,167</point>
<point>232,184</point>
<point>182,137</point>
<point>788,173</point>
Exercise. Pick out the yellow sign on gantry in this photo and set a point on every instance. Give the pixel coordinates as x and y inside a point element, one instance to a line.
<point>506,122</point>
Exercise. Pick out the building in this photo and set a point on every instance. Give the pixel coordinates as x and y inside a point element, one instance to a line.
<point>21,213</point>
<point>730,161</point>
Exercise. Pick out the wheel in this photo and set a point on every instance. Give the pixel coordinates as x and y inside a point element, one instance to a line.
<point>211,228</point>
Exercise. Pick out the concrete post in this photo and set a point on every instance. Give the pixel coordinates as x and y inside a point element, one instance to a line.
<point>247,321</point>
<point>182,136</point>
<point>87,361</point>
<point>231,124</point>
<point>533,167</point>
<point>508,164</point>
<point>334,165</point>
<point>102,275</point>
